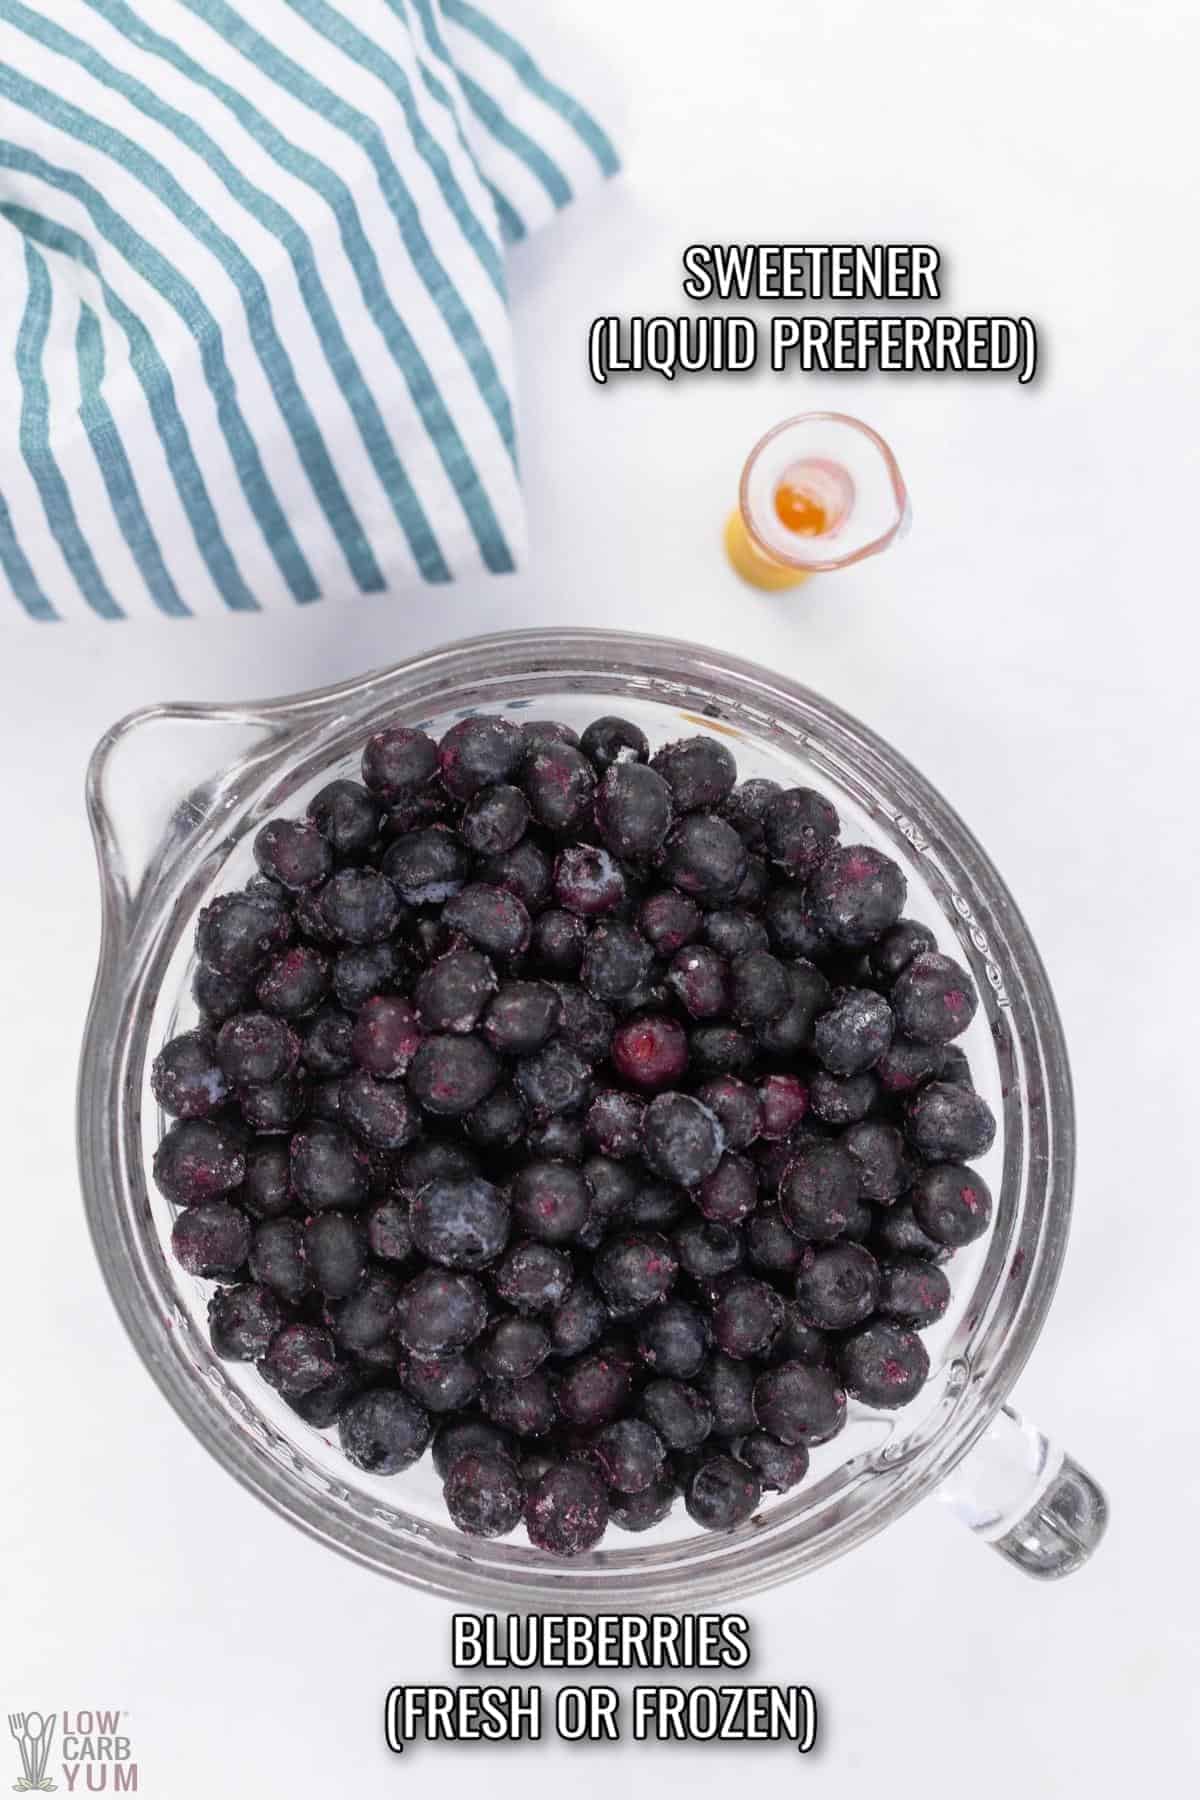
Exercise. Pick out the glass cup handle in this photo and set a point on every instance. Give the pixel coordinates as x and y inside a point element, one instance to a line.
<point>1022,1494</point>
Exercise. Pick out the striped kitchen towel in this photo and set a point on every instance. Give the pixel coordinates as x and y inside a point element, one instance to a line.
<point>254,336</point>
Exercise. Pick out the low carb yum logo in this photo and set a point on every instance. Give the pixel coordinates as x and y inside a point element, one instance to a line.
<point>93,1755</point>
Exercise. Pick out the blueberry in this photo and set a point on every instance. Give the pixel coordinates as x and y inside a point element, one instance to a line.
<point>629,1454</point>
<point>379,1113</point>
<point>733,932</point>
<point>416,810</point>
<point>527,1408</point>
<point>893,952</point>
<point>361,974</point>
<point>792,1030</point>
<point>912,1291</point>
<point>616,962</point>
<point>327,1169</point>
<point>398,760</point>
<point>524,871</point>
<point>783,1103</point>
<point>294,982</point>
<point>277,1258</point>
<point>440,1384</point>
<point>534,1277</point>
<point>594,1389</point>
<point>198,1160</point>
<point>656,1206</point>
<point>857,894</point>
<point>705,858</point>
<point>800,828</point>
<point>719,1049</point>
<point>650,1051</point>
<point>730,1193</point>
<point>952,1203</point>
<point>219,996</point>
<point>614,1123</point>
<point>854,1032</point>
<point>294,854</point>
<point>484,1495</point>
<point>700,772</point>
<point>348,816</point>
<point>578,1321</point>
<point>746,1318</point>
<point>728,1387</point>
<point>678,1413</point>
<point>335,1252</point>
<point>555,1080</point>
<point>884,1365</point>
<point>946,1123</point>
<point>779,1467</point>
<point>896,1233</point>
<point>559,783</point>
<point>439,1310</point>
<point>431,1159</point>
<point>186,1077</point>
<point>495,820</point>
<point>681,1139</point>
<point>557,941</point>
<point>211,1239</point>
<point>798,1341</point>
<point>451,1075</point>
<point>818,1190</point>
<point>722,1493</point>
<point>791,926</point>
<point>588,882</point>
<point>641,1512</point>
<point>386,1036</point>
<point>360,906</point>
<point>799,1403</point>
<point>536,732</point>
<point>558,1138</point>
<point>668,920</point>
<point>700,980</point>
<point>499,1121</point>
<point>906,1064</point>
<point>636,1270</point>
<point>325,1100</point>
<point>884,1172</point>
<point>461,1222</point>
<point>254,1047</point>
<point>672,1339</point>
<point>745,806</point>
<point>706,1250</point>
<point>389,1230</point>
<point>837,1286</point>
<point>736,1105</point>
<point>458,1437</point>
<point>384,1431</point>
<point>237,932</point>
<point>298,1359</point>
<point>266,1192</point>
<point>453,991</point>
<point>514,1347</point>
<point>770,1246</point>
<point>567,1511</point>
<point>633,810</point>
<point>612,740</point>
<point>363,1322</point>
<point>427,866</point>
<point>320,1405</point>
<point>585,1024</point>
<point>478,752</point>
<point>954,1067</point>
<point>550,1202</point>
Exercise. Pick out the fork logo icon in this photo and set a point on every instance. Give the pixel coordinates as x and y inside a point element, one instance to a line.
<point>33,1733</point>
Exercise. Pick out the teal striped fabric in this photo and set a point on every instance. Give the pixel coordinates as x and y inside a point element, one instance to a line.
<point>254,336</point>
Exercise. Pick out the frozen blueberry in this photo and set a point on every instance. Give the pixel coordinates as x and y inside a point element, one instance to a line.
<point>559,783</point>
<point>612,740</point>
<point>219,996</point>
<point>478,752</point>
<point>700,772</point>
<point>559,1138</point>
<point>954,1067</point>
<point>719,1049</point>
<point>243,1320</point>
<point>636,1270</point>
<point>557,941</point>
<point>197,1160</point>
<point>534,1277</point>
<point>550,1202</point>
<point>800,828</point>
<point>706,1250</point>
<point>656,1206</point>
<point>389,1229</point>
<point>895,1232</point>
<point>946,1123</point>
<point>633,810</point>
<point>746,1318</point>
<point>211,1239</point>
<point>527,1407</point>
<point>484,1495</point>
<point>699,979</point>
<point>952,1203</point>
<point>327,1169</point>
<point>798,1341</point>
<point>884,1172</point>
<point>672,1339</point>
<point>778,1466</point>
<point>770,1246</point>
<point>495,820</point>
<point>733,932</point>
<point>294,982</point>
<point>854,1032</point>
<point>588,882</point>
<point>681,1139</point>
<point>641,1512</point>
<point>379,1113</point>
<point>254,1047</point>
<point>728,1387</point>
<point>360,906</point>
<point>669,920</point>
<point>567,1511</point>
<point>585,1024</point>
<point>818,1190</point>
<point>745,806</point>
<point>431,1159</point>
<point>453,991</point>
<point>793,930</point>
<point>594,1389</point>
<point>461,1222</point>
<point>578,1321</point>
<point>783,1103</point>
<point>679,1414</point>
<point>451,1075</point>
<point>277,1258</point>
<point>614,1123</point>
<point>386,1036</point>
<point>799,1403</point>
<point>266,1190</point>
<point>705,858</point>
<point>494,920</point>
<point>471,1435</point>
<point>837,1286</point>
<point>730,1193</point>
<point>906,1064</point>
<point>237,932</point>
<point>440,1384</point>
<point>427,866</point>
<point>555,1080</point>
<point>513,1348</point>
<point>187,1078</point>
<point>650,1051</point>
<point>722,1493</point>
<point>366,971</point>
<point>884,1365</point>
<point>439,1310</point>
<point>857,894</point>
<point>335,1252</point>
<point>616,962</point>
<point>383,1431</point>
<point>736,1105</point>
<point>348,816</point>
<point>893,952</point>
<point>536,732</point>
<point>398,760</point>
<point>499,1121</point>
<point>629,1454</point>
<point>363,1322</point>
<point>524,871</point>
<point>298,1359</point>
<point>912,1291</point>
<point>294,854</point>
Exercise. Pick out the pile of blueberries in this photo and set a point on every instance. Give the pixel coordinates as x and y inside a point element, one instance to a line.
<point>584,1111</point>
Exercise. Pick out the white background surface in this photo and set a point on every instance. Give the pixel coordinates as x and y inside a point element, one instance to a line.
<point>1031,647</point>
